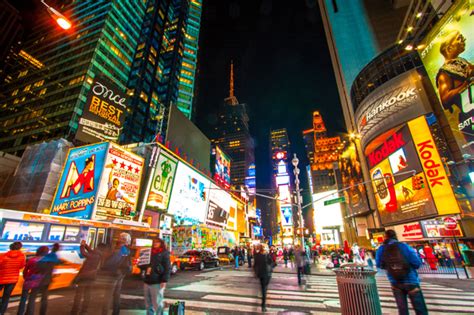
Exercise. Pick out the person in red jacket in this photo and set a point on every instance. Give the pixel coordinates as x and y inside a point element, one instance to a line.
<point>10,265</point>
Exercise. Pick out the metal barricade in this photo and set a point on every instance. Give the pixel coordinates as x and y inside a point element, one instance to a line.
<point>357,290</point>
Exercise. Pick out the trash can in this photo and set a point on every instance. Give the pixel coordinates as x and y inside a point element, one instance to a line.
<point>357,290</point>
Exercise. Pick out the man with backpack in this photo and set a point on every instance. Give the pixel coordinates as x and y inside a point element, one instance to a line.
<point>401,262</point>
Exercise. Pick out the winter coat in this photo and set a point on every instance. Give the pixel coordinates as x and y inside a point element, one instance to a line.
<point>410,256</point>
<point>32,275</point>
<point>262,265</point>
<point>158,271</point>
<point>10,265</point>
<point>91,263</point>
<point>118,263</point>
<point>300,258</point>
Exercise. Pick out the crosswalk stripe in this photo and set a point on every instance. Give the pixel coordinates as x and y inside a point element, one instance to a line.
<point>214,297</point>
<point>50,297</point>
<point>226,306</point>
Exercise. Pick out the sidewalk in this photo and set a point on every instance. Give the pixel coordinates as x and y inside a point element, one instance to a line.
<point>316,269</point>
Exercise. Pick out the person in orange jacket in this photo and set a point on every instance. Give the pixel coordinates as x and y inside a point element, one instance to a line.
<point>10,265</point>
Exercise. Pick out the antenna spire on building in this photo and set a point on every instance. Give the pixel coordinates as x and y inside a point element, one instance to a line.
<point>231,100</point>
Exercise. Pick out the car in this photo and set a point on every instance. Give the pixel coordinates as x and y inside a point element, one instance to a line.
<point>198,259</point>
<point>225,256</point>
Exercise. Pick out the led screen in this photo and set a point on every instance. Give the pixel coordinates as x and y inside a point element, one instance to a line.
<point>190,196</point>
<point>326,216</point>
<point>220,203</point>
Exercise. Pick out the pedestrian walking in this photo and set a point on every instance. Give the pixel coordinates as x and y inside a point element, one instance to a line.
<point>286,256</point>
<point>32,277</point>
<point>10,265</point>
<point>157,274</point>
<point>242,255</point>
<point>115,267</point>
<point>249,256</point>
<point>401,262</point>
<point>236,254</point>
<point>86,277</point>
<point>263,271</point>
<point>300,263</point>
<point>45,267</point>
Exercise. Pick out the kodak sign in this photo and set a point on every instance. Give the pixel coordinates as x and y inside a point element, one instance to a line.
<point>437,179</point>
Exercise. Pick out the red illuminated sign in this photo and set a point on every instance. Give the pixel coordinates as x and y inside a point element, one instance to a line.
<point>391,145</point>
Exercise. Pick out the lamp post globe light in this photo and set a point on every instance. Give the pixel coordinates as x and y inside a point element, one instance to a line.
<point>62,21</point>
<point>296,171</point>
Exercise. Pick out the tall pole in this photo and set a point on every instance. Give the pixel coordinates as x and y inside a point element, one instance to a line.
<point>296,171</point>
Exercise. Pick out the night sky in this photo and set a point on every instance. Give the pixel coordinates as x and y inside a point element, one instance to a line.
<point>282,71</point>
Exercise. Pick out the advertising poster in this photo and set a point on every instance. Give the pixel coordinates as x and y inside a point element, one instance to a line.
<point>120,184</point>
<point>219,206</point>
<point>326,216</point>
<point>77,189</point>
<point>408,232</point>
<point>222,168</point>
<point>286,215</point>
<point>162,182</point>
<point>165,223</point>
<point>448,56</point>
<point>232,220</point>
<point>437,179</point>
<point>351,173</point>
<point>400,185</point>
<point>435,228</point>
<point>104,112</point>
<point>190,196</point>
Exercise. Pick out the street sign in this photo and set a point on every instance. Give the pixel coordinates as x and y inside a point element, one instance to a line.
<point>333,201</point>
<point>450,223</point>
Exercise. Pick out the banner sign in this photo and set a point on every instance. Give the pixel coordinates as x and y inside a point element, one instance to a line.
<point>103,113</point>
<point>408,232</point>
<point>76,192</point>
<point>437,179</point>
<point>448,56</point>
<point>286,215</point>
<point>119,187</point>
<point>162,182</point>
<point>435,228</point>
<point>220,203</point>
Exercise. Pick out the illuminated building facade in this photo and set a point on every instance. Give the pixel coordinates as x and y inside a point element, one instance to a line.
<point>164,67</point>
<point>279,143</point>
<point>11,30</point>
<point>44,95</point>
<point>323,153</point>
<point>233,136</point>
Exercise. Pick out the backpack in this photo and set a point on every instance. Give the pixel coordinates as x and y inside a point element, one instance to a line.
<point>394,262</point>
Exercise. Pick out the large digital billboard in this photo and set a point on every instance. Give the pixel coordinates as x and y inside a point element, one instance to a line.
<point>221,167</point>
<point>326,216</point>
<point>286,215</point>
<point>220,203</point>
<point>77,189</point>
<point>351,174</point>
<point>162,182</point>
<point>104,112</point>
<point>448,55</point>
<point>402,182</point>
<point>190,196</point>
<point>120,184</point>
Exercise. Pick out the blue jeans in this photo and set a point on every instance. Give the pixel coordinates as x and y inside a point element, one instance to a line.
<point>401,291</point>
<point>236,261</point>
<point>154,299</point>
<point>7,292</point>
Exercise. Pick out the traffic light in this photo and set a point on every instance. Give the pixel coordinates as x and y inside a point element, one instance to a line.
<point>415,183</point>
<point>421,182</point>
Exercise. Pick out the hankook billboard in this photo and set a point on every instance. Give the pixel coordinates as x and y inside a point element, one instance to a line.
<point>399,100</point>
<point>448,55</point>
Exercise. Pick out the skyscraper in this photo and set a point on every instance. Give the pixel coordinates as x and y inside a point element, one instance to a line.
<point>322,152</point>
<point>11,30</point>
<point>233,135</point>
<point>279,143</point>
<point>164,67</point>
<point>45,94</point>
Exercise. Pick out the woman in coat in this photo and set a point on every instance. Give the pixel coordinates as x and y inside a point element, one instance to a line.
<point>10,265</point>
<point>156,275</point>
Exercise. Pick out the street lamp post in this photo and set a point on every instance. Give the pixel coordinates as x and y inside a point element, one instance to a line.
<point>62,21</point>
<point>296,171</point>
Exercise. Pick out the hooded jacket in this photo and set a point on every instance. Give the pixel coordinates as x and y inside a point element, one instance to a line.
<point>10,265</point>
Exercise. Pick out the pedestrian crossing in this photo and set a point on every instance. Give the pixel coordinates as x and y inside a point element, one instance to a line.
<point>236,292</point>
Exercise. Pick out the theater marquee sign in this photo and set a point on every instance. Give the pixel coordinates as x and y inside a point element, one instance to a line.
<point>396,101</point>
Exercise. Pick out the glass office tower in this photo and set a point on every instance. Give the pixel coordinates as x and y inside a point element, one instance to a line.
<point>45,93</point>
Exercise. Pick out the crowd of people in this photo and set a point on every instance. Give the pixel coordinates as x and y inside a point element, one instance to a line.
<point>101,275</point>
